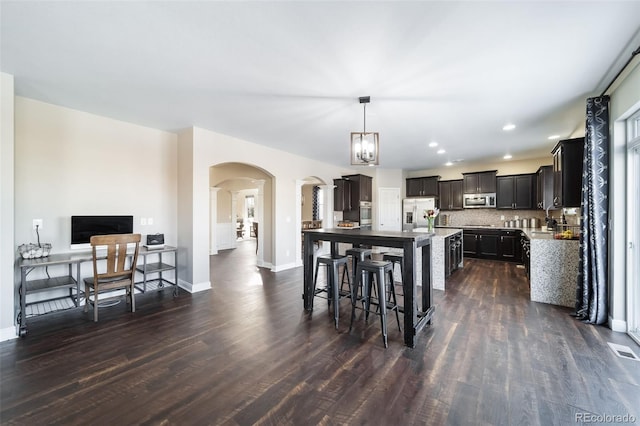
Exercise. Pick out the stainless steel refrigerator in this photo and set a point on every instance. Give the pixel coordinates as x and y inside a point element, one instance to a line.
<point>413,212</point>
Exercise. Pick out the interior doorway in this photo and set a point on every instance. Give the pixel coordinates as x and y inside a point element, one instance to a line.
<point>241,205</point>
<point>314,201</point>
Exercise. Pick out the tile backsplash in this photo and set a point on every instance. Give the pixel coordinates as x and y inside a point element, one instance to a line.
<point>491,216</point>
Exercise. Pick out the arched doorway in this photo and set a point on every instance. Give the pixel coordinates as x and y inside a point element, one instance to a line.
<point>241,195</point>
<point>314,207</point>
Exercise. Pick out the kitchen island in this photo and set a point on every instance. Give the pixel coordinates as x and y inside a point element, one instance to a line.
<point>554,268</point>
<point>439,254</point>
<point>415,316</point>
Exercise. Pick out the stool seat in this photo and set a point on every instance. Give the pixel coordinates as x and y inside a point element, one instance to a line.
<point>333,290</point>
<point>358,251</point>
<point>378,271</point>
<point>393,257</point>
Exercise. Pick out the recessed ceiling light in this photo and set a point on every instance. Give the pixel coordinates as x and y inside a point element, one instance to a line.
<point>509,126</point>
<point>552,137</point>
<point>441,151</point>
<point>448,163</point>
<point>433,144</point>
<point>507,157</point>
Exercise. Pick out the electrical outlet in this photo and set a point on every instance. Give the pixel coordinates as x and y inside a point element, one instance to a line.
<point>150,221</point>
<point>143,221</point>
<point>501,217</point>
<point>37,223</point>
<point>516,217</point>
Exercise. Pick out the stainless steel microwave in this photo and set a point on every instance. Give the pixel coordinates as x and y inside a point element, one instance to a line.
<point>479,201</point>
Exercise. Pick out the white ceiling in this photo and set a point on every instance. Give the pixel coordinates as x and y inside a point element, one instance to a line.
<point>289,74</point>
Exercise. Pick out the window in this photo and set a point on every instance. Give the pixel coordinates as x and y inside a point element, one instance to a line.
<point>250,206</point>
<point>320,199</point>
<point>633,226</point>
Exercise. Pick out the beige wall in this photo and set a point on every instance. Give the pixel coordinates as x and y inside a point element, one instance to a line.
<point>7,218</point>
<point>69,162</point>
<point>505,167</point>
<point>307,205</point>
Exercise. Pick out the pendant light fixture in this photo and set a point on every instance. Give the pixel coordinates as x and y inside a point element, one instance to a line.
<point>364,145</point>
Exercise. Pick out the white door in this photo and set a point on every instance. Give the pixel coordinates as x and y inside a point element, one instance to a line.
<point>389,209</point>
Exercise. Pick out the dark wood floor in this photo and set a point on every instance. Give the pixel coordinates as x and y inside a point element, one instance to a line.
<point>245,352</point>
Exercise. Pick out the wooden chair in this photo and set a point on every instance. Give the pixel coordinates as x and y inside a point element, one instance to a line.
<point>117,275</point>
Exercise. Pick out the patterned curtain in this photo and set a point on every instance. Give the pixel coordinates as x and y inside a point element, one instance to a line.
<point>315,203</point>
<point>592,290</point>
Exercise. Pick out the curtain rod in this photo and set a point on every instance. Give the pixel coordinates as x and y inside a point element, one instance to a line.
<point>633,54</point>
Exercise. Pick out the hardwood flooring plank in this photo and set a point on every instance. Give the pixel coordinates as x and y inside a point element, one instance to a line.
<point>245,352</point>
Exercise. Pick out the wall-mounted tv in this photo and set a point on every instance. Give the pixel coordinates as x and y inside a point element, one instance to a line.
<point>83,227</point>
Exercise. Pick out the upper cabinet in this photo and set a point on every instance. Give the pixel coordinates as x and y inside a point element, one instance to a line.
<point>423,186</point>
<point>544,187</point>
<point>450,194</point>
<point>361,188</point>
<point>480,182</point>
<point>341,195</point>
<point>567,173</point>
<point>515,191</point>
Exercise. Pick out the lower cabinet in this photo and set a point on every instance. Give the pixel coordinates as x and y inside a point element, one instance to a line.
<point>510,248</point>
<point>493,244</point>
<point>481,243</point>
<point>453,253</point>
<point>526,253</point>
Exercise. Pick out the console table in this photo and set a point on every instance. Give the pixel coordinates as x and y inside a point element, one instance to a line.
<point>71,282</point>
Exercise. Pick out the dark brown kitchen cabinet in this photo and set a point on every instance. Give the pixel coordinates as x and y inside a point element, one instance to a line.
<point>450,194</point>
<point>482,243</point>
<point>422,186</point>
<point>567,173</point>
<point>510,248</point>
<point>341,195</point>
<point>470,243</point>
<point>480,182</point>
<point>544,187</point>
<point>515,191</point>
<point>361,188</point>
<point>453,253</point>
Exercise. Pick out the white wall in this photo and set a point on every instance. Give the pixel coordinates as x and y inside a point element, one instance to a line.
<point>625,100</point>
<point>7,247</point>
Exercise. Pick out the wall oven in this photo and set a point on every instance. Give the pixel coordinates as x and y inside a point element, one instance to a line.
<point>478,201</point>
<point>366,213</point>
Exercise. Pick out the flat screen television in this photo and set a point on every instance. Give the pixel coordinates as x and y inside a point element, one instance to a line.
<point>83,227</point>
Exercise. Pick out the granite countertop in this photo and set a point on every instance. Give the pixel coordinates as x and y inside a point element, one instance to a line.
<point>531,233</point>
<point>441,232</point>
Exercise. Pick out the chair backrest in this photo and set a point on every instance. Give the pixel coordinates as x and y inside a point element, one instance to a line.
<point>116,245</point>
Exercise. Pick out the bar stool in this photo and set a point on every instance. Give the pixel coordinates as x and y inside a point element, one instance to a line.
<point>394,258</point>
<point>378,271</point>
<point>334,292</point>
<point>357,254</point>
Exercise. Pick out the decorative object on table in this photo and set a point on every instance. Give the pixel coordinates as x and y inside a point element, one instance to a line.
<point>155,241</point>
<point>431,215</point>
<point>364,145</point>
<point>34,251</point>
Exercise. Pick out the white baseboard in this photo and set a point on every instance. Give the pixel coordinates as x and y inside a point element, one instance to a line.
<point>264,264</point>
<point>618,325</point>
<point>194,288</point>
<point>284,267</point>
<point>8,333</point>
